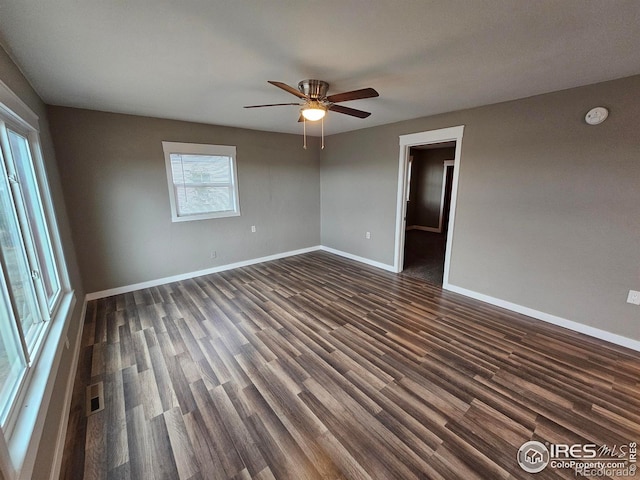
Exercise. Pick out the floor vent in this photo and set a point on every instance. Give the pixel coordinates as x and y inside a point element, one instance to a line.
<point>95,398</point>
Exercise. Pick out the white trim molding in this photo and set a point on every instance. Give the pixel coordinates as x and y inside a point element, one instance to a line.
<point>406,142</point>
<point>16,109</point>
<point>562,322</point>
<point>546,317</point>
<point>366,261</point>
<point>185,276</point>
<point>66,409</point>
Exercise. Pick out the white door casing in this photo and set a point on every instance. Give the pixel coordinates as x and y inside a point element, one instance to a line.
<point>406,142</point>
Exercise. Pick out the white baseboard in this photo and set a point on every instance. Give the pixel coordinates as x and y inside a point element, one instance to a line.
<point>66,409</point>
<point>424,229</point>
<point>221,268</point>
<point>546,317</point>
<point>366,261</point>
<point>185,276</point>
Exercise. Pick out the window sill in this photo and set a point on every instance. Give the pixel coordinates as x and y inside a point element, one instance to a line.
<point>27,432</point>
<point>205,216</point>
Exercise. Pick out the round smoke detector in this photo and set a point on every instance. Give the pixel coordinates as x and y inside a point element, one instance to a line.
<point>596,115</point>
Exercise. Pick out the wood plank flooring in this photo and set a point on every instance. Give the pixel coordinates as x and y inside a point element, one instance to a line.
<point>316,367</point>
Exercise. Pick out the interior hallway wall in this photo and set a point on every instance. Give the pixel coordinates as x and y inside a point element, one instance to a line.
<point>426,186</point>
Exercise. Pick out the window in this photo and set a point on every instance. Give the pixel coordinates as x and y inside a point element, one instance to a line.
<point>35,295</point>
<point>23,162</point>
<point>24,288</point>
<point>202,181</point>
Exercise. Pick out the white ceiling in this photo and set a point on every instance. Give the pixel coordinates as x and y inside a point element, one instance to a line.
<point>204,60</point>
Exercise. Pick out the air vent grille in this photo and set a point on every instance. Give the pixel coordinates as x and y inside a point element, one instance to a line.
<point>95,398</point>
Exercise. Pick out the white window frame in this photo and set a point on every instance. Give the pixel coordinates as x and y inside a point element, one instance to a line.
<point>48,305</point>
<point>200,149</point>
<point>22,430</point>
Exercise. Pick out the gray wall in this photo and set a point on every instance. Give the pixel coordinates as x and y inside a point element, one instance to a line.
<point>113,173</point>
<point>14,79</point>
<point>547,210</point>
<point>426,186</point>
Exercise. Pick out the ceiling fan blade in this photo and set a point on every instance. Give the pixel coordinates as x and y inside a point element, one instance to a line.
<point>287,88</point>
<point>349,111</point>
<point>354,95</point>
<point>271,105</point>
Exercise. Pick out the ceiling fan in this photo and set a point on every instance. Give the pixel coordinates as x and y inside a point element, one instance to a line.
<point>315,102</point>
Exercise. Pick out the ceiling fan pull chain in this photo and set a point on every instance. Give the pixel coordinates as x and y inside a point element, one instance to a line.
<point>322,120</point>
<point>304,130</point>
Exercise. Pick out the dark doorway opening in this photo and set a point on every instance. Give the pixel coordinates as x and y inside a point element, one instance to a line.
<point>428,208</point>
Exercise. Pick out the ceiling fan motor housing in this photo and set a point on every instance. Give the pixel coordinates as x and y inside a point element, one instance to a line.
<point>314,89</point>
<point>313,94</point>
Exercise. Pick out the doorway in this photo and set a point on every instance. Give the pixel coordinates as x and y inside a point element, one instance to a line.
<point>429,185</point>
<point>425,221</point>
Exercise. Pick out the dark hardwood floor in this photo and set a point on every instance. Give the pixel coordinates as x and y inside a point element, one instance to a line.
<point>318,367</point>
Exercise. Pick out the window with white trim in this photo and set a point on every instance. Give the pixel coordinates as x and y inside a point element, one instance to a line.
<point>34,286</point>
<point>202,180</point>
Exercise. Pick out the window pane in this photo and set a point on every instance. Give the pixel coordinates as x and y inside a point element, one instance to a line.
<point>196,200</point>
<point>24,167</point>
<point>12,364</point>
<point>195,169</point>
<point>17,271</point>
<point>202,183</point>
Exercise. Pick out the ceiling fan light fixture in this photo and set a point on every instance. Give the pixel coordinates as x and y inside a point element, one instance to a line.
<point>313,111</point>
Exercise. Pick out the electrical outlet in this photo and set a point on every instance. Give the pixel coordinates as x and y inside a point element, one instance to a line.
<point>213,255</point>
<point>634,297</point>
<point>253,229</point>
<point>367,235</point>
